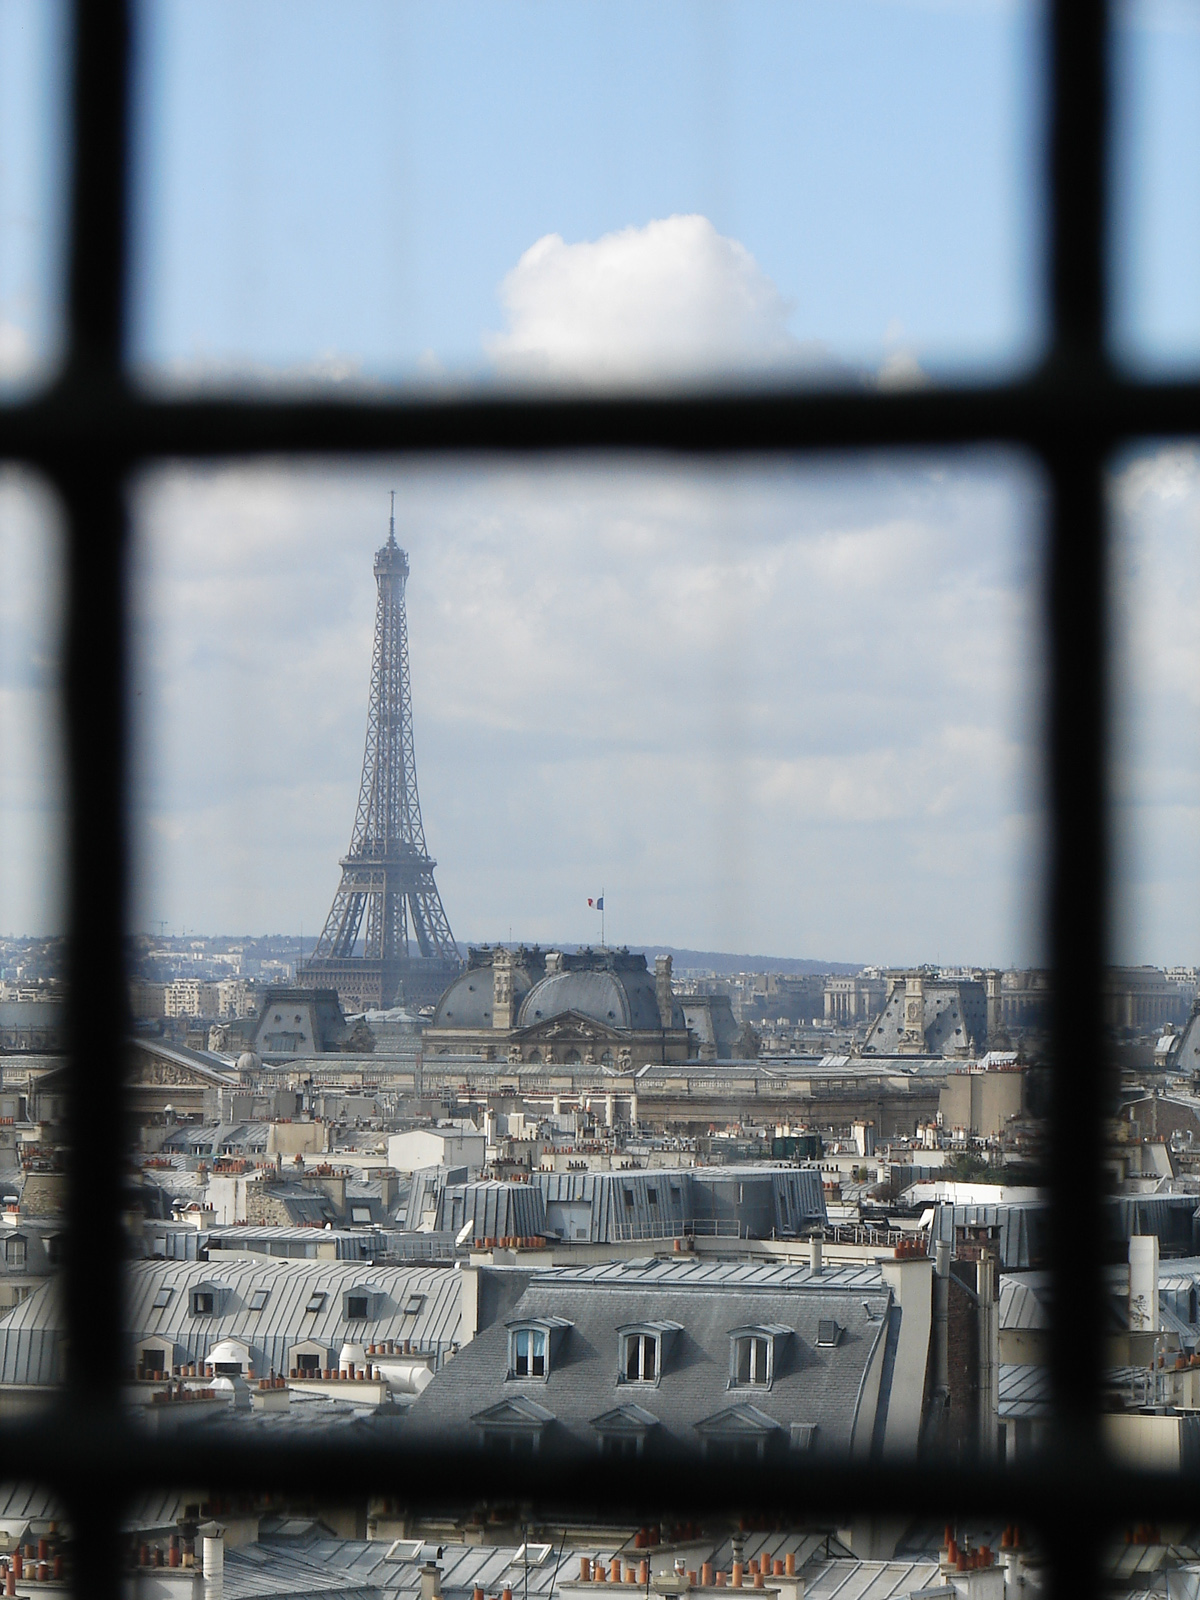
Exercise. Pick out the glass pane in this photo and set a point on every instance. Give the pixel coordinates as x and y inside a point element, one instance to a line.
<point>730,809</point>
<point>1151,1001</point>
<point>33,48</point>
<point>1156,223</point>
<point>32,955</point>
<point>591,194</point>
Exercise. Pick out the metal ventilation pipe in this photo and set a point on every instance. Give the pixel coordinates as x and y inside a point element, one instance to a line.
<point>213,1536</point>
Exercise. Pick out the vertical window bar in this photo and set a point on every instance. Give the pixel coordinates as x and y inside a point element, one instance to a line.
<point>90,482</point>
<point>1078,891</point>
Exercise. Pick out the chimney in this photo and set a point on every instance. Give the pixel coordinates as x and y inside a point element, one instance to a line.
<point>1143,1283</point>
<point>502,988</point>
<point>989,1355</point>
<point>431,1581</point>
<point>814,1254</point>
<point>941,1316</point>
<point>662,989</point>
<point>213,1535</point>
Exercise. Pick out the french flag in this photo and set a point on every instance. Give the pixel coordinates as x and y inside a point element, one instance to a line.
<point>596,905</point>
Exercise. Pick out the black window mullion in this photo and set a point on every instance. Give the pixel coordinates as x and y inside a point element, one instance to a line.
<point>89,478</point>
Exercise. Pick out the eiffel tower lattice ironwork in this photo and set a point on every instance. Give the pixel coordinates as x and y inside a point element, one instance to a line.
<point>387,900</point>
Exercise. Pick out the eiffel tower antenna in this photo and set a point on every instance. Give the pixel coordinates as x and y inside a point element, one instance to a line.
<point>387,938</point>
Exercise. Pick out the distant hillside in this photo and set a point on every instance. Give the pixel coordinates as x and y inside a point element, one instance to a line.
<point>721,962</point>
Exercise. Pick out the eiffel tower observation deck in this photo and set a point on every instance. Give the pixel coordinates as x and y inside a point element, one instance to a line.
<point>387,939</point>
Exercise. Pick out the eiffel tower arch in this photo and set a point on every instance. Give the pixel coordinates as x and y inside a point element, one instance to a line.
<point>387,939</point>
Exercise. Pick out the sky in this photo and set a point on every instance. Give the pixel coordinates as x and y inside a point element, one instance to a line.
<point>760,707</point>
<point>783,708</point>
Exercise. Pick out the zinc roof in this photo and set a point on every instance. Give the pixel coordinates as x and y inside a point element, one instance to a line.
<point>1024,1390</point>
<point>29,1334</point>
<point>665,1272</point>
<point>870,1580</point>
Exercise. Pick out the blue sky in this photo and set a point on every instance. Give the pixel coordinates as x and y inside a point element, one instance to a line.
<point>351,184</point>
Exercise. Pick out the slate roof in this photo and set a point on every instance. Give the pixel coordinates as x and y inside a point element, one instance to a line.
<point>812,1385</point>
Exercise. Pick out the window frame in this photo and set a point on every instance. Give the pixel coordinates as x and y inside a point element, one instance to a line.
<point>1071,411</point>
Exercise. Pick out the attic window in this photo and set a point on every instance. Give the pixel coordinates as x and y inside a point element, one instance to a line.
<point>752,1361</point>
<point>413,1304</point>
<point>259,1299</point>
<point>651,1197</point>
<point>357,1306</point>
<point>203,1303</point>
<point>360,1213</point>
<point>316,1302</point>
<point>528,1358</point>
<point>162,1299</point>
<point>639,1358</point>
<point>629,1197</point>
<point>828,1333</point>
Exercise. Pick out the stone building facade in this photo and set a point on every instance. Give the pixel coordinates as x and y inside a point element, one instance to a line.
<point>533,1006</point>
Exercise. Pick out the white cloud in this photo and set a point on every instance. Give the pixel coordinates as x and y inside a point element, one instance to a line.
<point>673,300</point>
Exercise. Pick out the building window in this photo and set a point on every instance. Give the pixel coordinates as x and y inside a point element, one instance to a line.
<point>259,1299</point>
<point>356,1307</point>
<point>309,1363</point>
<point>15,1251</point>
<point>316,1302</point>
<point>203,1303</point>
<point>413,1305</point>
<point>828,1333</point>
<point>162,1299</point>
<point>752,1361</point>
<point>621,1447</point>
<point>639,1358</point>
<point>528,1353</point>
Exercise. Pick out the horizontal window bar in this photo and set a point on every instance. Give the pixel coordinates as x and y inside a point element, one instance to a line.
<point>1045,412</point>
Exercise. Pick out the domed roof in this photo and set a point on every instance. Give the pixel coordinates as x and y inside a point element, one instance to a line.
<point>616,999</point>
<point>467,1003</point>
<point>249,1061</point>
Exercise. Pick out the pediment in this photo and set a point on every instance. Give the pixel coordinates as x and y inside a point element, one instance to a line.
<point>628,1419</point>
<point>568,1025</point>
<point>519,1412</point>
<point>737,1422</point>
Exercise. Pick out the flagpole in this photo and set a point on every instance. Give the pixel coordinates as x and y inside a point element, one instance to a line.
<point>602,946</point>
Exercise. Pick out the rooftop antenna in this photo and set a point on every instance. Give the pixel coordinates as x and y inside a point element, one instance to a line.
<point>392,521</point>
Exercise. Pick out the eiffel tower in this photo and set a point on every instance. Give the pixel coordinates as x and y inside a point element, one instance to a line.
<point>387,901</point>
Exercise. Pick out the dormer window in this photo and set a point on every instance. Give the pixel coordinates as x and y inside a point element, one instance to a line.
<point>640,1360</point>
<point>205,1300</point>
<point>532,1346</point>
<point>752,1361</point>
<point>529,1353</point>
<point>754,1355</point>
<point>643,1350</point>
